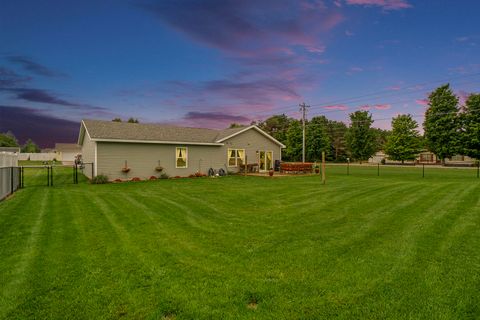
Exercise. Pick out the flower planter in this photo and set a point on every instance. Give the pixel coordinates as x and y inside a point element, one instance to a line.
<point>270,173</point>
<point>159,168</point>
<point>125,170</point>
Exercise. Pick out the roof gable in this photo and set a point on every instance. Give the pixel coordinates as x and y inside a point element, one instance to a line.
<point>252,127</point>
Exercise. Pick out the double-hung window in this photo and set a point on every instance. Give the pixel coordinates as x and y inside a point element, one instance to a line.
<point>181,158</point>
<point>236,157</point>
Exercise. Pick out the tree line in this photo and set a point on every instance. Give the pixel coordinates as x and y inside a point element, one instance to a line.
<point>449,129</point>
<point>8,139</point>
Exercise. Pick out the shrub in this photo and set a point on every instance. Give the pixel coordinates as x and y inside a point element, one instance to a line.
<point>177,177</point>
<point>192,176</point>
<point>117,180</point>
<point>99,179</point>
<point>383,161</point>
<point>164,176</point>
<point>153,178</point>
<point>136,179</point>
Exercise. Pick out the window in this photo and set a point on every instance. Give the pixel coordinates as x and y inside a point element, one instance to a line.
<point>236,157</point>
<point>181,157</point>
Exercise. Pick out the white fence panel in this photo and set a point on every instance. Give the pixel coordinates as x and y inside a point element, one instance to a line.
<point>9,175</point>
<point>38,156</point>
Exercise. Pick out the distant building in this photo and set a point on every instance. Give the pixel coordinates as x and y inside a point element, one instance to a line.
<point>10,149</point>
<point>67,152</point>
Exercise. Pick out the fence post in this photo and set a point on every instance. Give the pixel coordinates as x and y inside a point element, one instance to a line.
<point>92,169</point>
<point>378,169</point>
<point>51,178</point>
<point>478,169</point>
<point>323,167</point>
<point>423,170</point>
<point>11,180</point>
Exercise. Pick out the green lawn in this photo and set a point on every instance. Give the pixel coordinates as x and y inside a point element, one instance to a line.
<point>361,246</point>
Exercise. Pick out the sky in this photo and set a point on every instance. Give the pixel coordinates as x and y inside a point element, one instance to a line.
<point>214,62</point>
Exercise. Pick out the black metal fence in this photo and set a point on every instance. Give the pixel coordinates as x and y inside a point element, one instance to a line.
<point>9,181</point>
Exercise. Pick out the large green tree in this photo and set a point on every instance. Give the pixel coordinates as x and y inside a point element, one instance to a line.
<point>441,123</point>
<point>471,127</point>
<point>276,126</point>
<point>317,139</point>
<point>30,147</point>
<point>293,151</point>
<point>404,141</point>
<point>361,137</point>
<point>8,140</point>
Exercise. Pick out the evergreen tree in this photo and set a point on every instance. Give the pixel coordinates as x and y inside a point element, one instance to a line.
<point>404,141</point>
<point>30,147</point>
<point>8,140</point>
<point>132,120</point>
<point>441,123</point>
<point>471,127</point>
<point>360,137</point>
<point>117,120</point>
<point>293,151</point>
<point>317,139</point>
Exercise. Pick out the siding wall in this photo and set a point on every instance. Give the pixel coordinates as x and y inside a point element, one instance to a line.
<point>88,155</point>
<point>142,158</point>
<point>252,141</point>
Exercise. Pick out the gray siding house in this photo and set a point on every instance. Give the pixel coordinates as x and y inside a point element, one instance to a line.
<point>181,151</point>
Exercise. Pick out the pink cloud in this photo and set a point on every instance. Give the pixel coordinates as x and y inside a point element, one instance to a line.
<point>385,4</point>
<point>316,49</point>
<point>365,108</point>
<point>382,106</point>
<point>394,88</point>
<point>422,102</point>
<point>336,107</point>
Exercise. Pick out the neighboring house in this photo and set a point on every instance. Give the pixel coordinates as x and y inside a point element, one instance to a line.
<point>67,152</point>
<point>460,160</point>
<point>377,157</point>
<point>181,151</point>
<point>10,149</point>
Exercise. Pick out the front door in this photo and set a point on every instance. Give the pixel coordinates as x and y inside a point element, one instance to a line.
<point>266,161</point>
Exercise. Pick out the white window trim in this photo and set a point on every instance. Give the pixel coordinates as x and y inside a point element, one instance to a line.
<point>186,156</point>
<point>236,158</point>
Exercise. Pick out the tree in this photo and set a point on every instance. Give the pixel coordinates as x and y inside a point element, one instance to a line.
<point>441,123</point>
<point>317,139</point>
<point>8,140</point>
<point>360,137</point>
<point>404,141</point>
<point>276,126</point>
<point>30,147</point>
<point>337,131</point>
<point>236,125</point>
<point>381,138</point>
<point>471,127</point>
<point>117,120</point>
<point>293,151</point>
<point>132,120</point>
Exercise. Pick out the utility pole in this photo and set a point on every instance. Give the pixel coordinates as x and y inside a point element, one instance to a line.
<point>303,109</point>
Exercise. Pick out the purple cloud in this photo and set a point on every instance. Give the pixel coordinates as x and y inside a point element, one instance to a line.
<point>34,67</point>
<point>9,78</point>
<point>385,4</point>
<point>215,116</point>
<point>31,123</point>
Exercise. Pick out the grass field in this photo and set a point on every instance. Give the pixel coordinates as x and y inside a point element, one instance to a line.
<point>361,246</point>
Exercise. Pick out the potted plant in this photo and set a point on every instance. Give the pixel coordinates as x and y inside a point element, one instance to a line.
<point>159,168</point>
<point>125,169</point>
<point>270,172</point>
<point>316,167</point>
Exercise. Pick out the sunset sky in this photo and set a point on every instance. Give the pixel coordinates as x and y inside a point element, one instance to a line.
<point>211,63</point>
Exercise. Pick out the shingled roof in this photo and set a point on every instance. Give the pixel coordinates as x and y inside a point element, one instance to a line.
<point>110,130</point>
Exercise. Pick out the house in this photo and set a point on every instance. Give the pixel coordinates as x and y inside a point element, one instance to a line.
<point>67,152</point>
<point>122,150</point>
